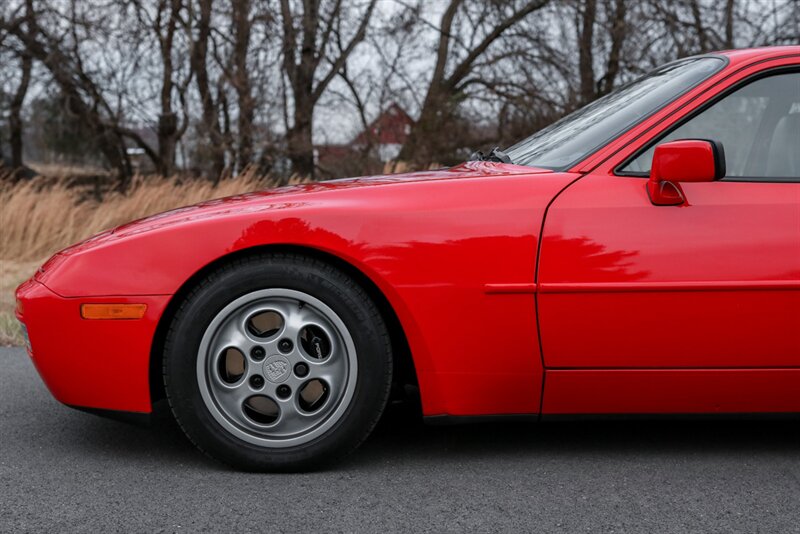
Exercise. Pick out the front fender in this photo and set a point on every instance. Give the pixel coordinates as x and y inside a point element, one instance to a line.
<point>455,259</point>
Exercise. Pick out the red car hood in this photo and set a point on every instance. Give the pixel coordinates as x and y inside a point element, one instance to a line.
<point>295,194</point>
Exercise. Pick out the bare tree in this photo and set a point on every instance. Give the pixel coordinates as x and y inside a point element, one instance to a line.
<point>169,130</point>
<point>697,26</point>
<point>455,64</point>
<point>67,72</point>
<point>240,79</point>
<point>161,20</point>
<point>376,81</point>
<point>15,110</point>
<point>215,142</point>
<point>308,29</point>
<point>17,100</point>
<point>615,27</point>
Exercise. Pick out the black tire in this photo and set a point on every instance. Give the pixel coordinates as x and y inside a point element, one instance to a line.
<point>294,272</point>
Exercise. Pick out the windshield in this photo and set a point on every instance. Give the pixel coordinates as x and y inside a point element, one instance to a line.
<point>569,140</point>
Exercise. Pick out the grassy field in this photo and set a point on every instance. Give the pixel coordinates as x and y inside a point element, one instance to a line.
<point>41,216</point>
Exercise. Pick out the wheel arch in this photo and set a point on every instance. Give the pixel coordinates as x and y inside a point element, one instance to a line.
<point>404,368</point>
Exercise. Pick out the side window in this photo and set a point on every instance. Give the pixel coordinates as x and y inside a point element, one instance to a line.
<point>758,125</point>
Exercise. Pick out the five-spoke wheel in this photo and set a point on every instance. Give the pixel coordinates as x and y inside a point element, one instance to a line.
<point>277,367</point>
<point>277,362</point>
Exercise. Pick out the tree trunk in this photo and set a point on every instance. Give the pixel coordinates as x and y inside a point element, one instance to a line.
<point>585,51</point>
<point>112,145</point>
<point>729,15</point>
<point>167,120</point>
<point>414,146</point>
<point>167,142</point>
<point>300,141</point>
<point>618,34</point>
<point>211,124</point>
<point>241,83</point>
<point>702,36</point>
<point>15,111</point>
<point>423,142</point>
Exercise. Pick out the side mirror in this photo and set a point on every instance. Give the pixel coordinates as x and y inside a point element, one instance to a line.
<point>688,160</point>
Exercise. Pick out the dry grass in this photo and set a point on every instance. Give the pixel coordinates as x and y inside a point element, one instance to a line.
<point>59,170</point>
<point>39,217</point>
<point>42,216</point>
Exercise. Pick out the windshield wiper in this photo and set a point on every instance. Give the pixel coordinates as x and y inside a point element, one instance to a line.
<point>495,155</point>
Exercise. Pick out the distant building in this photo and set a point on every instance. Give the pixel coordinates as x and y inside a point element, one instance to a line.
<point>138,158</point>
<point>388,132</point>
<point>386,136</point>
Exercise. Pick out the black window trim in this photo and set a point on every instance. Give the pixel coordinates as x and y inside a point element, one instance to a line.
<point>783,69</point>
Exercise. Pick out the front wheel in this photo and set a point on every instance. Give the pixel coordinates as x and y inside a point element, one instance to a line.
<point>277,362</point>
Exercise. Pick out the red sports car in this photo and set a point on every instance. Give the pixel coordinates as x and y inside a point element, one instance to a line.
<point>640,256</point>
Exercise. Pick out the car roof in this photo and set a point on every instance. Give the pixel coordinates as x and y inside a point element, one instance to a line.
<point>748,55</point>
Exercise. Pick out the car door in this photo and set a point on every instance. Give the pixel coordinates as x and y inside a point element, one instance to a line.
<point>692,308</point>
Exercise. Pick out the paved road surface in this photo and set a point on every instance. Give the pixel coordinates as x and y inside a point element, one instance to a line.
<point>65,471</point>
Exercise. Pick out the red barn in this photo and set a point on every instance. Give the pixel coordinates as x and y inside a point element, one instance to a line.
<point>385,135</point>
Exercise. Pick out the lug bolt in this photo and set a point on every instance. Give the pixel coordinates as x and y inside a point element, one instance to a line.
<point>283,391</point>
<point>285,345</point>
<point>257,381</point>
<point>258,353</point>
<point>301,369</point>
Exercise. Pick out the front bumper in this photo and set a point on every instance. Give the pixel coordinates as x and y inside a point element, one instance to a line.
<point>100,364</point>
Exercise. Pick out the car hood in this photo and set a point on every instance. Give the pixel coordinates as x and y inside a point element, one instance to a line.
<point>296,195</point>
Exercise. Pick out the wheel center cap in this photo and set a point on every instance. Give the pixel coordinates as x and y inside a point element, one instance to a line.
<point>276,369</point>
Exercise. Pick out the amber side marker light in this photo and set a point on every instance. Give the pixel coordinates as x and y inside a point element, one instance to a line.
<point>113,311</point>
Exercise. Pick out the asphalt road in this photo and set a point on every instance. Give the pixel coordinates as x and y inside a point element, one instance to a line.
<point>65,471</point>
